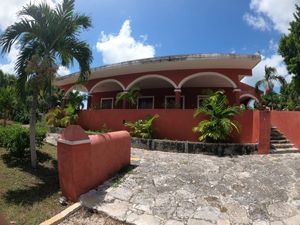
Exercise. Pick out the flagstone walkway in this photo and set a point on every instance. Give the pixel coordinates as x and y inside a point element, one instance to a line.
<point>177,189</point>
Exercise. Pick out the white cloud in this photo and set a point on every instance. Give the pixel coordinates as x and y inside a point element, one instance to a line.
<point>123,47</point>
<point>274,13</point>
<point>259,71</point>
<point>62,71</point>
<point>10,58</point>
<point>258,22</point>
<point>9,9</point>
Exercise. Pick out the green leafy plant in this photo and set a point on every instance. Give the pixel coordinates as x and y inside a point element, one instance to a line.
<point>219,124</point>
<point>70,116</point>
<point>15,139</point>
<point>142,128</point>
<point>130,96</point>
<point>8,102</point>
<point>270,77</point>
<point>75,99</point>
<point>62,117</point>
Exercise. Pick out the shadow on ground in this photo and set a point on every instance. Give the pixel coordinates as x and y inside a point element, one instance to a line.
<point>45,179</point>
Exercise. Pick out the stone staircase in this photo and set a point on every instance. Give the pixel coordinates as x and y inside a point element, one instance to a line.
<point>280,144</point>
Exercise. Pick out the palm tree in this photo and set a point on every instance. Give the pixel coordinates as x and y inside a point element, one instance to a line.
<point>219,124</point>
<point>271,76</point>
<point>130,96</point>
<point>46,37</point>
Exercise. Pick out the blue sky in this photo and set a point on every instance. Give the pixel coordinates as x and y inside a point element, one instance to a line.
<point>130,29</point>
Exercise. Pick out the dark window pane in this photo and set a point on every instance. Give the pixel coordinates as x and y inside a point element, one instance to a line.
<point>171,102</point>
<point>145,103</point>
<point>106,104</point>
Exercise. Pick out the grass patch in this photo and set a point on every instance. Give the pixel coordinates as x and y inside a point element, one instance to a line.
<point>29,196</point>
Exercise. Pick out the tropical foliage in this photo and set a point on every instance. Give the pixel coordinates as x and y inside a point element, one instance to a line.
<point>142,128</point>
<point>289,48</point>
<point>76,99</point>
<point>62,117</point>
<point>15,139</point>
<point>131,96</point>
<point>8,102</point>
<point>219,123</point>
<point>287,99</point>
<point>270,77</point>
<point>46,37</point>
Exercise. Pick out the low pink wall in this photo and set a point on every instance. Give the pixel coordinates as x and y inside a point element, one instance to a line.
<point>288,123</point>
<point>84,162</point>
<point>174,124</point>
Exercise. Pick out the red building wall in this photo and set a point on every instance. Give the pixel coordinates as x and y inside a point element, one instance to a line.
<point>174,124</point>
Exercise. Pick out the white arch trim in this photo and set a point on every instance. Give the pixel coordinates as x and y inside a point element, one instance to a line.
<point>205,74</point>
<point>151,76</point>
<point>74,88</point>
<point>250,96</point>
<point>107,81</point>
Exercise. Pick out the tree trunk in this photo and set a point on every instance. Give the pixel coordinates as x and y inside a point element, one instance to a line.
<point>32,129</point>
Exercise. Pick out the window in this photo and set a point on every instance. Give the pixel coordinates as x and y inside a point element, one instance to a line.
<point>170,102</point>
<point>107,103</point>
<point>146,102</point>
<point>200,99</point>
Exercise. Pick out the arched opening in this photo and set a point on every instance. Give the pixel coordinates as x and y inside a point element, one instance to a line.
<point>77,87</point>
<point>103,94</point>
<point>207,79</point>
<point>153,89</point>
<point>248,100</point>
<point>197,85</point>
<point>82,91</point>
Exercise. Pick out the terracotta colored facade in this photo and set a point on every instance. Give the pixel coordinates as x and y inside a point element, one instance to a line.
<point>174,81</point>
<point>172,87</point>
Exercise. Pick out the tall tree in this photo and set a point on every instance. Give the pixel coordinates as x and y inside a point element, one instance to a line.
<point>289,48</point>
<point>8,102</point>
<point>270,77</point>
<point>46,37</point>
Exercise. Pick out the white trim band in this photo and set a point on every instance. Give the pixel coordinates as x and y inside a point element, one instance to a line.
<point>80,142</point>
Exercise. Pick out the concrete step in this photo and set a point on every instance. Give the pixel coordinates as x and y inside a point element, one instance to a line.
<point>282,145</point>
<point>283,141</point>
<point>284,150</point>
<point>278,138</point>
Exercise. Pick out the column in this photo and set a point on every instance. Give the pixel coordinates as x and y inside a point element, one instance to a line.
<point>237,94</point>
<point>177,97</point>
<point>89,101</point>
<point>124,101</point>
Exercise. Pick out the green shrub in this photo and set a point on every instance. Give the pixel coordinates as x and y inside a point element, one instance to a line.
<point>15,139</point>
<point>142,128</point>
<point>219,123</point>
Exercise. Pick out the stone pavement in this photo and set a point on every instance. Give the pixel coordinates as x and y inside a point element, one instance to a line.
<point>176,189</point>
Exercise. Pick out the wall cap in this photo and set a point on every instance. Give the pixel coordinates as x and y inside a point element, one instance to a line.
<point>79,142</point>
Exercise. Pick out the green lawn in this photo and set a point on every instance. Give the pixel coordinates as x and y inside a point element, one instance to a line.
<point>29,196</point>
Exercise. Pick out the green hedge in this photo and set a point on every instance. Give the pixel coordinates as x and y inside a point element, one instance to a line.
<point>15,139</point>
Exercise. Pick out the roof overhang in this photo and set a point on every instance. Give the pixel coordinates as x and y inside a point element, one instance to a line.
<point>180,62</point>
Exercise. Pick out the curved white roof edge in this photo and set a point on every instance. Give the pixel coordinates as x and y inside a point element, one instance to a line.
<point>191,61</point>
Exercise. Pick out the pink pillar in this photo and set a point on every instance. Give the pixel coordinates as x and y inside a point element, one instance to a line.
<point>177,98</point>
<point>237,95</point>
<point>73,157</point>
<point>124,102</point>
<point>264,132</point>
<point>89,101</point>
